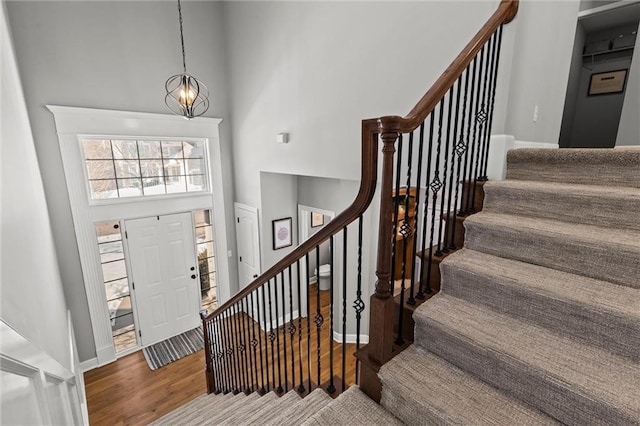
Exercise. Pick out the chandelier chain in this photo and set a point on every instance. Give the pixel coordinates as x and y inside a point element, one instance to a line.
<point>184,62</point>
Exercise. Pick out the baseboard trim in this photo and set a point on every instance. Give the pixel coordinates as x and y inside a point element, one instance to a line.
<point>87,365</point>
<point>351,338</point>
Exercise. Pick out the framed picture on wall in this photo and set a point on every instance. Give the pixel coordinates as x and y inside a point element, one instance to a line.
<point>317,219</point>
<point>604,83</point>
<point>281,233</point>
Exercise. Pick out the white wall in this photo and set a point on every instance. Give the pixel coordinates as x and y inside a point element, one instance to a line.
<point>32,300</point>
<point>316,69</point>
<point>110,55</point>
<point>629,128</point>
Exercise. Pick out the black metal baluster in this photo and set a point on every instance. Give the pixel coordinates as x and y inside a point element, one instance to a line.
<point>476,138</point>
<point>306,260</point>
<point>407,230</point>
<point>292,331</point>
<point>318,318</point>
<point>427,181</point>
<point>452,213</point>
<point>272,338</point>
<point>491,45</point>
<point>468,159</point>
<point>220,354</point>
<point>396,210</point>
<point>442,248</point>
<point>435,185</point>
<point>331,388</point>
<point>416,220</point>
<point>279,389</point>
<point>301,385</point>
<point>358,304</point>
<point>493,97</point>
<point>344,309</point>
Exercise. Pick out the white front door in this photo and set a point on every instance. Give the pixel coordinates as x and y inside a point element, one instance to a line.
<point>248,240</point>
<point>164,275</point>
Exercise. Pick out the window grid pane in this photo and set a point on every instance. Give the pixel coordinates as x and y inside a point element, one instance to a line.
<point>136,168</point>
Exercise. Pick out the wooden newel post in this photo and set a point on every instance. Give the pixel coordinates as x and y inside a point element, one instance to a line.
<point>381,308</point>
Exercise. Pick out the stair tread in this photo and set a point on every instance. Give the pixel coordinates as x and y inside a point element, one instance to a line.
<point>215,415</point>
<point>262,410</point>
<point>190,407</point>
<point>588,250</point>
<point>588,372</point>
<point>602,295</point>
<point>352,407</point>
<point>304,408</point>
<point>590,204</point>
<point>418,383</point>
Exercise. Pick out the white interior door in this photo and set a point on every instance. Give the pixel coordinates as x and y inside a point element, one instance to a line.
<point>248,240</point>
<point>164,275</point>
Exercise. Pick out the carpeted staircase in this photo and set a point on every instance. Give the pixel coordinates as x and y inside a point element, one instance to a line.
<point>537,321</point>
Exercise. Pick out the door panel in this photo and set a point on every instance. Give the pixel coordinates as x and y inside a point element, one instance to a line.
<point>162,252</point>
<point>248,241</point>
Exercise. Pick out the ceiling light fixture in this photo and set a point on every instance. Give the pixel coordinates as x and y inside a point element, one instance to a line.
<point>186,96</point>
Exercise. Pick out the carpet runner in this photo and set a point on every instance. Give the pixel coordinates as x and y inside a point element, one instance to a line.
<point>174,348</point>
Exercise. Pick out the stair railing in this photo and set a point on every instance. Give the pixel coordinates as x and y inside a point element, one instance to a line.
<point>450,128</point>
<point>280,333</point>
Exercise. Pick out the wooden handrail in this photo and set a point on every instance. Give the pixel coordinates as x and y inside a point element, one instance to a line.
<point>503,15</point>
<point>385,126</point>
<point>368,178</point>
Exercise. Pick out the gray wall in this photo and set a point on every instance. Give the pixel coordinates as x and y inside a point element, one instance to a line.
<point>629,128</point>
<point>540,62</point>
<point>112,55</point>
<point>32,301</point>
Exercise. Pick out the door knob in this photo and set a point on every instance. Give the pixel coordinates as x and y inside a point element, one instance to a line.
<point>255,276</point>
<point>193,277</point>
<point>193,268</point>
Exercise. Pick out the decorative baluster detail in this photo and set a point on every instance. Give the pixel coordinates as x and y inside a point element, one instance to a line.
<point>331,388</point>
<point>461,149</point>
<point>452,213</point>
<point>344,307</point>
<point>264,331</point>
<point>318,319</point>
<point>284,335</point>
<point>468,161</point>
<point>306,261</point>
<point>240,352</point>
<point>230,351</point>
<point>407,231</point>
<point>279,389</point>
<point>436,185</point>
<point>292,331</point>
<point>253,371</point>
<point>301,385</point>
<point>358,304</point>
<point>423,261</point>
<point>220,355</point>
<point>272,337</point>
<point>442,239</point>
<point>493,97</point>
<point>479,119</point>
<point>257,341</point>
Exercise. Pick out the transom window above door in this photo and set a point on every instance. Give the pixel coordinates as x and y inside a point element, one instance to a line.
<point>122,168</point>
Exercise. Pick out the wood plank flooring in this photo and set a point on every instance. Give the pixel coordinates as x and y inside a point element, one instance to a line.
<point>127,392</point>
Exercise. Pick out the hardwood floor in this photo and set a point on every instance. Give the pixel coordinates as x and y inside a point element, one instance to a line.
<point>127,392</point>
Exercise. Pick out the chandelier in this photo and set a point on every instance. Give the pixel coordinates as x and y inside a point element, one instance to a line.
<point>186,96</point>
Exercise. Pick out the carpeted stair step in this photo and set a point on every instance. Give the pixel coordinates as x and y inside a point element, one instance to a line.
<point>601,253</point>
<point>575,383</point>
<point>352,408</point>
<point>192,406</point>
<point>215,414</point>
<point>263,410</point>
<point>598,312</point>
<point>303,409</point>
<point>606,167</point>
<point>419,387</point>
<point>615,207</point>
